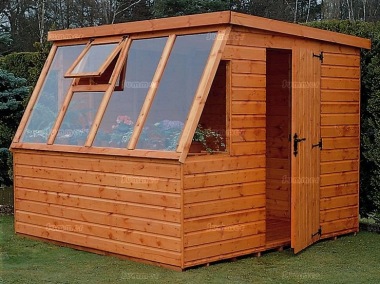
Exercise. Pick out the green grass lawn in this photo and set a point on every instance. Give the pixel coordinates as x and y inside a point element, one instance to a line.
<point>350,259</point>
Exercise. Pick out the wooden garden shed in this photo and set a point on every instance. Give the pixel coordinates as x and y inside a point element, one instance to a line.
<point>102,158</point>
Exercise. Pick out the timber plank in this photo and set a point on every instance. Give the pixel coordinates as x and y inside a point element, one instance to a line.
<point>248,94</point>
<point>339,166</point>
<point>223,192</point>
<point>248,67</point>
<point>103,179</point>
<point>224,219</point>
<point>220,206</point>
<point>222,233</point>
<point>118,247</point>
<point>345,60</point>
<point>218,163</point>
<point>223,178</point>
<point>248,81</point>
<point>340,96</point>
<point>117,166</point>
<point>248,108</point>
<point>340,143</point>
<point>339,225</point>
<point>247,121</point>
<point>101,231</point>
<point>339,190</point>
<point>248,135</point>
<point>103,218</point>
<point>117,207</point>
<point>340,84</point>
<point>340,131</point>
<point>339,214</point>
<point>224,247</point>
<point>339,178</point>
<point>338,119</point>
<point>339,107</point>
<point>248,148</point>
<point>243,53</point>
<point>340,72</point>
<point>339,155</point>
<point>102,192</point>
<point>339,201</point>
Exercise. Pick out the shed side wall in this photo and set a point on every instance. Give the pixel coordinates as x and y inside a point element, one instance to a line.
<point>120,205</point>
<point>340,130</point>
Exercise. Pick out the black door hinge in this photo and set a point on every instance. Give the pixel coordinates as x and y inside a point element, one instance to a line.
<point>319,144</point>
<point>319,232</point>
<point>320,56</point>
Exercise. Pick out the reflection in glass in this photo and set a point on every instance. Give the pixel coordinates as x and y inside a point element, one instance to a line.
<point>176,92</point>
<point>79,118</point>
<point>94,58</point>
<point>124,107</point>
<point>51,96</point>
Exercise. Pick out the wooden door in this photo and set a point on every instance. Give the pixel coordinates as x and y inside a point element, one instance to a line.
<point>305,161</point>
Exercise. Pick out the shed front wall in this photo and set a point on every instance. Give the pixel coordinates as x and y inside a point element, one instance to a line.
<point>119,205</point>
<point>226,198</point>
<point>340,116</point>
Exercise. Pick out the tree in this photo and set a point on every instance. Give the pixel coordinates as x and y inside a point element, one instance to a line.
<point>169,8</point>
<point>13,93</point>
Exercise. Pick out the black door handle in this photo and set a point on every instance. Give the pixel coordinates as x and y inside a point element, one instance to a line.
<point>319,144</point>
<point>296,140</point>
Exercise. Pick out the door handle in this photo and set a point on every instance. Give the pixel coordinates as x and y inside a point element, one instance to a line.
<point>319,144</point>
<point>296,140</point>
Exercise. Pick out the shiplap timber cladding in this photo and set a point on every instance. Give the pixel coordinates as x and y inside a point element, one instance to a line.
<point>117,205</point>
<point>180,209</point>
<point>340,127</point>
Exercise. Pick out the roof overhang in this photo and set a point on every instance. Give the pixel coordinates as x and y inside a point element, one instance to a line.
<point>211,19</point>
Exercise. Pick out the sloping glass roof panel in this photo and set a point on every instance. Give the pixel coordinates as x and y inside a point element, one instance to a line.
<point>79,118</point>
<point>124,107</point>
<point>176,92</point>
<point>51,96</point>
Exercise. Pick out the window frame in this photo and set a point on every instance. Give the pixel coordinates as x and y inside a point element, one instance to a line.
<point>87,49</point>
<point>195,111</point>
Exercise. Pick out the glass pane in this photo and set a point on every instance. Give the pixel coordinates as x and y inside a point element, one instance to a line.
<point>94,58</point>
<point>79,118</point>
<point>124,107</point>
<point>51,96</point>
<point>176,92</point>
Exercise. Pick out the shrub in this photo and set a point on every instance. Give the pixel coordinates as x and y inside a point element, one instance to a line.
<point>26,65</point>
<point>5,173</point>
<point>13,93</point>
<point>22,64</point>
